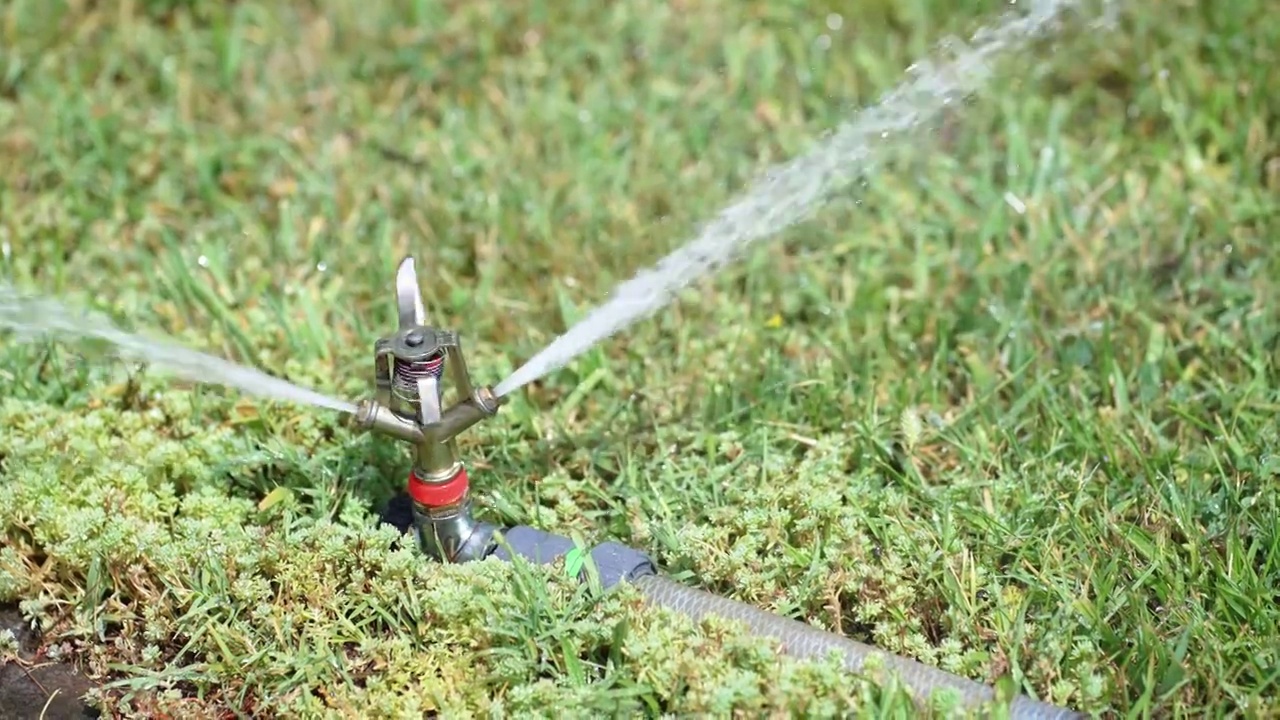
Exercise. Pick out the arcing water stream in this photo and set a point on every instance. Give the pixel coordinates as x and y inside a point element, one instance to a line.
<point>31,317</point>
<point>789,193</point>
<point>786,195</point>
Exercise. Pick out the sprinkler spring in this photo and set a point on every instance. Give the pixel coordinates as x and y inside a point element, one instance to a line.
<point>408,405</point>
<point>407,373</point>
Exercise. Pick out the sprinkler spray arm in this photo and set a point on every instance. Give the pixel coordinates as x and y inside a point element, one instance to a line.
<point>372,415</point>
<point>408,405</point>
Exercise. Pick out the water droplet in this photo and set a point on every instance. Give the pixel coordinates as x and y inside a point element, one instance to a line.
<point>823,42</point>
<point>322,266</point>
<point>1164,73</point>
<point>202,261</point>
<point>1228,248</point>
<point>834,21</point>
<point>584,116</point>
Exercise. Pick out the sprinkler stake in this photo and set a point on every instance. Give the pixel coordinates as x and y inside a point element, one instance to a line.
<point>408,405</point>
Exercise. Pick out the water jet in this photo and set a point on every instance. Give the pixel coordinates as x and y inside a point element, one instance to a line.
<point>31,316</point>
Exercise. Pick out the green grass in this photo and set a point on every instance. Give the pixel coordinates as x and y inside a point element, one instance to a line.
<point>1036,445</point>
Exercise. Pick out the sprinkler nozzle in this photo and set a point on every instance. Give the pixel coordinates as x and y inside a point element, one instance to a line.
<point>408,405</point>
<point>378,418</point>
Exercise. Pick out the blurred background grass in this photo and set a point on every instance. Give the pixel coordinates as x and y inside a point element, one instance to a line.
<point>1009,409</point>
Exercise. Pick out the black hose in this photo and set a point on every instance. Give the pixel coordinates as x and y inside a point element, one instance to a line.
<point>807,642</point>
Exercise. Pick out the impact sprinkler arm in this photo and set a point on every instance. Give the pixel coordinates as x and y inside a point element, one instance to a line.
<point>407,405</point>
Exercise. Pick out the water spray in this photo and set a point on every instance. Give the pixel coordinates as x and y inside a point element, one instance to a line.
<point>408,405</point>
<point>31,317</point>
<point>794,190</point>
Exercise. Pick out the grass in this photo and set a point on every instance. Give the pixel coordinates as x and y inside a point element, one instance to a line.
<point>1010,410</point>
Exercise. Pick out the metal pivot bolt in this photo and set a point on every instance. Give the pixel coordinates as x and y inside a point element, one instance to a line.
<point>408,404</point>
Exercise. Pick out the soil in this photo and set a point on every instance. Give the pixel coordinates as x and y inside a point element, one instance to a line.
<point>34,687</point>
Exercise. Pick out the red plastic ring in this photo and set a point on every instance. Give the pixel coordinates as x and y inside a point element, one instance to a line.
<point>441,493</point>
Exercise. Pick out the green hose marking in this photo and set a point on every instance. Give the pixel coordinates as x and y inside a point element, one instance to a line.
<point>573,561</point>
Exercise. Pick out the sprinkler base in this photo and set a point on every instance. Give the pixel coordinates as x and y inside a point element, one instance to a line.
<point>612,563</point>
<point>445,534</point>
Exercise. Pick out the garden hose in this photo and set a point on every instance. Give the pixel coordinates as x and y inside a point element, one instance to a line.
<point>612,564</point>
<point>807,642</point>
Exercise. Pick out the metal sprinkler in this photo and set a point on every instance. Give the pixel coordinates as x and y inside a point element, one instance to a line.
<point>408,405</point>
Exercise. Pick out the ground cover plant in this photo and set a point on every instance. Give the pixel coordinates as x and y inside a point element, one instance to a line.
<point>1010,409</point>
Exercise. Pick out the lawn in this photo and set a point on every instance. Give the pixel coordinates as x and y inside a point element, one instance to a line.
<point>1008,407</point>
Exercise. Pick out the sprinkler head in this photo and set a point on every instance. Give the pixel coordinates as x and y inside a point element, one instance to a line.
<point>409,405</point>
